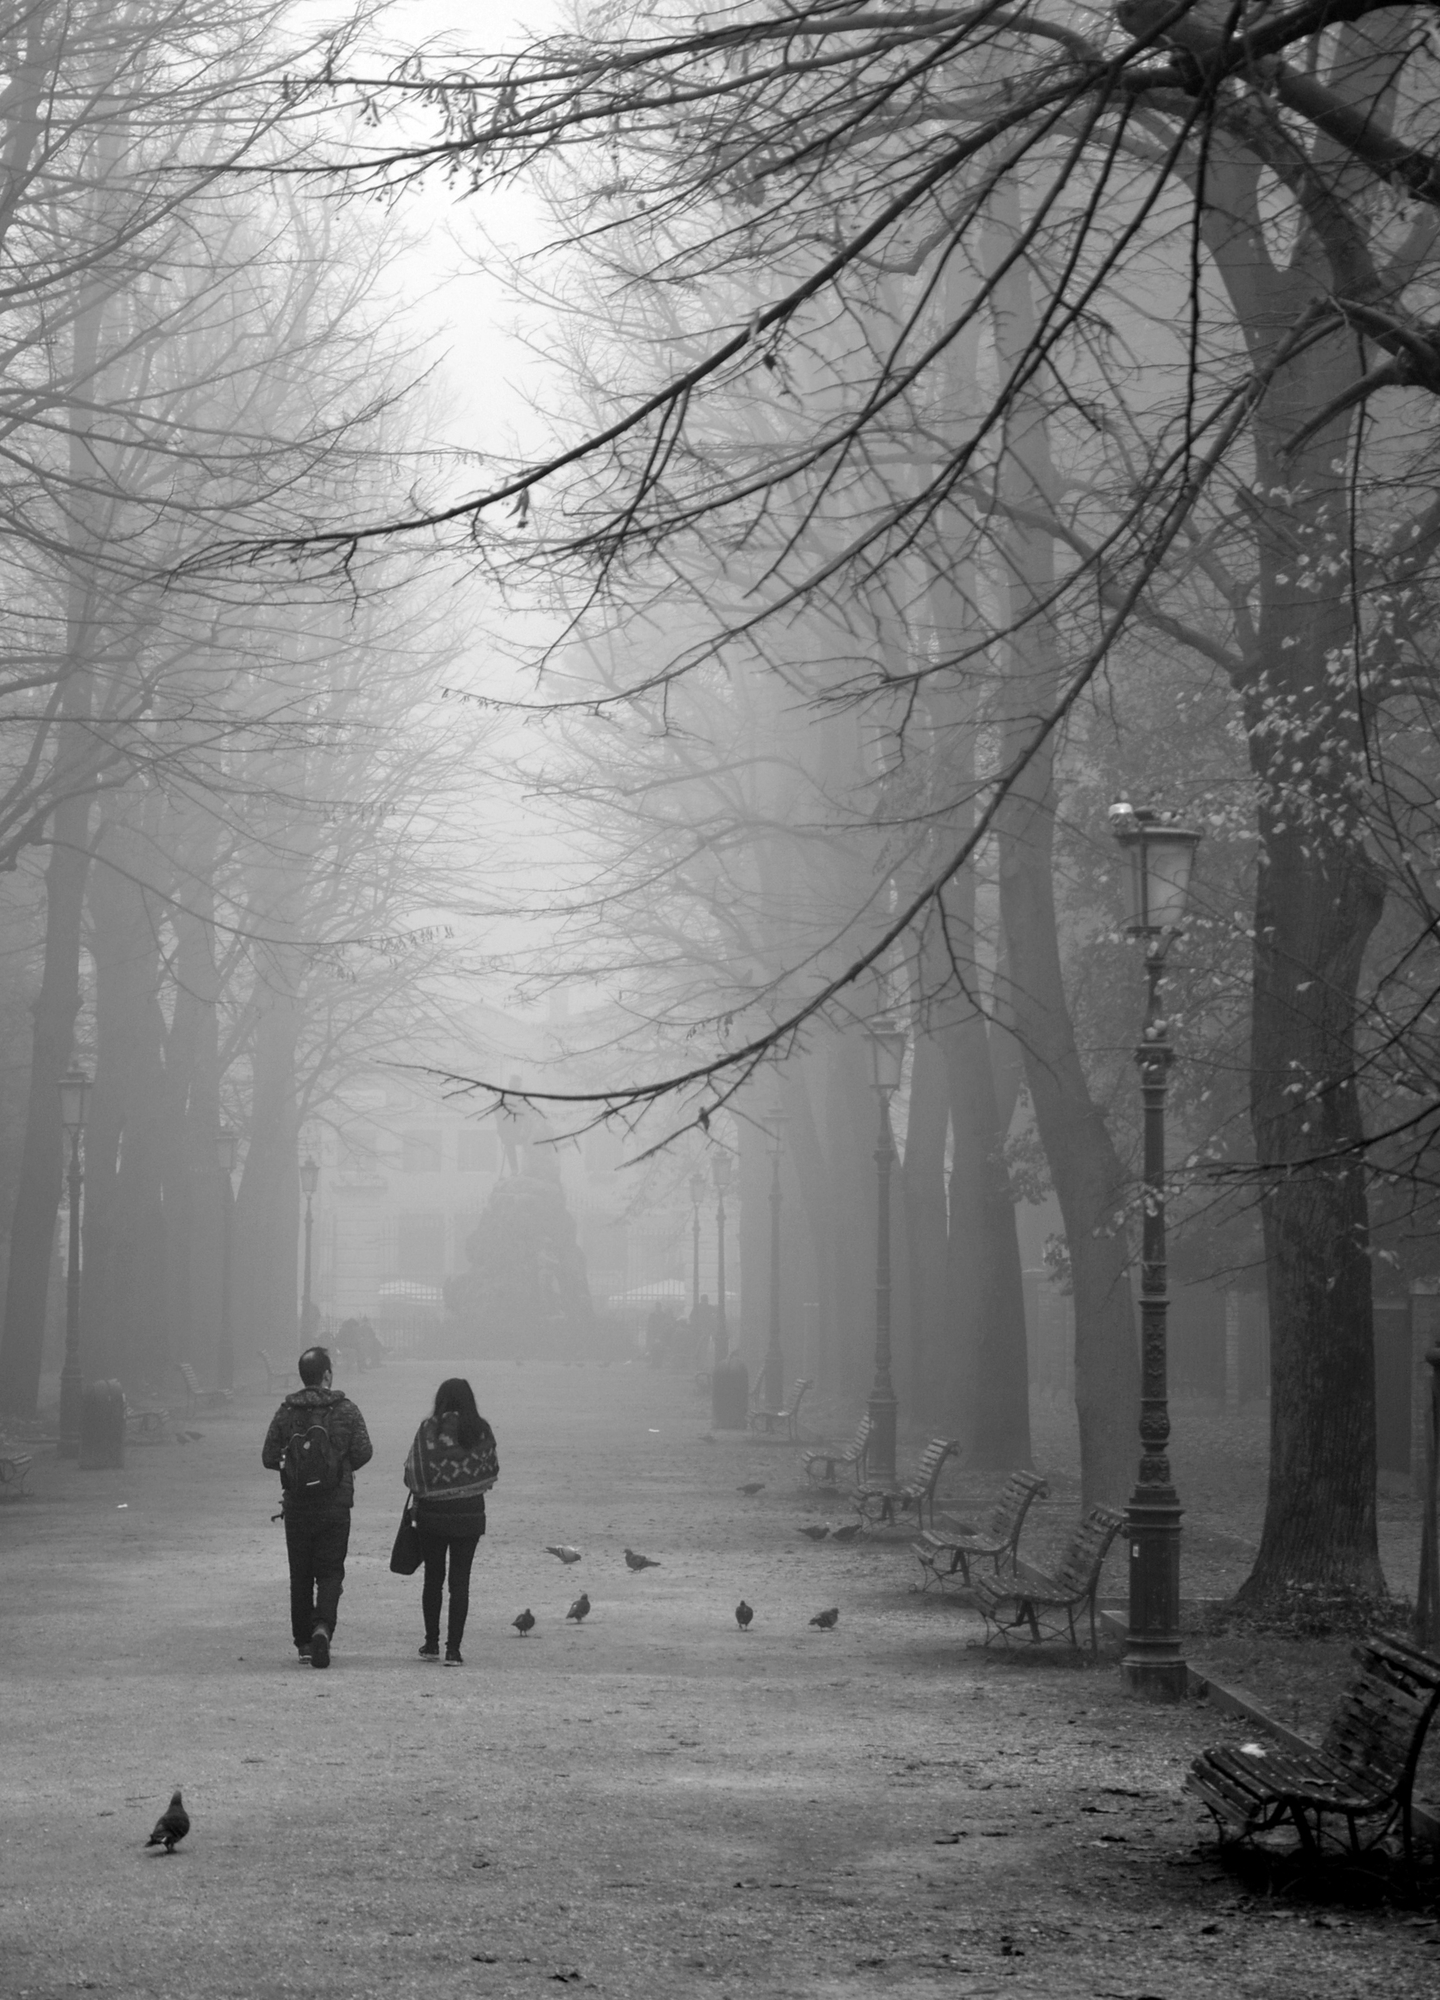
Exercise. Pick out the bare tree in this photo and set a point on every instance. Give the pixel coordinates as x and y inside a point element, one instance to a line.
<point>1228,220</point>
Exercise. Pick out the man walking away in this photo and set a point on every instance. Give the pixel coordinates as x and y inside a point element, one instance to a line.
<point>317,1442</point>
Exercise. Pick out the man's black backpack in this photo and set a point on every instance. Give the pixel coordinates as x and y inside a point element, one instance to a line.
<point>309,1466</point>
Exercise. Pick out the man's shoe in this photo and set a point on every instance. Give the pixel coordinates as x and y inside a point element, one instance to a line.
<point>320,1647</point>
<point>452,1657</point>
<point>430,1650</point>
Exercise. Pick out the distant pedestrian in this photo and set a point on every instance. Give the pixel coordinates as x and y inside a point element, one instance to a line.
<point>451,1467</point>
<point>317,1442</point>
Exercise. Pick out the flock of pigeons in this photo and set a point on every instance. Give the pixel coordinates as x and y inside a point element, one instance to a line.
<point>174,1823</point>
<point>580,1610</point>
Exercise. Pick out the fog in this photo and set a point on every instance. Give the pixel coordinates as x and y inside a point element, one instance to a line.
<point>574,625</point>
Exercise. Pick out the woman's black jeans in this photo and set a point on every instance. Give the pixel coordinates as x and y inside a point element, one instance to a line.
<point>461,1552</point>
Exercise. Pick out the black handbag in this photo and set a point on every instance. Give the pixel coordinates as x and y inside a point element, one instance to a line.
<point>407,1554</point>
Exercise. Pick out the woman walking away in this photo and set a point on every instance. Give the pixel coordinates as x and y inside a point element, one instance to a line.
<point>451,1467</point>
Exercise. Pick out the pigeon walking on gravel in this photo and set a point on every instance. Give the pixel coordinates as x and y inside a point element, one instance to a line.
<point>580,1609</point>
<point>524,1622</point>
<point>172,1825</point>
<point>827,1620</point>
<point>815,1531</point>
<point>566,1553</point>
<point>751,1488</point>
<point>846,1534</point>
<point>632,1561</point>
<point>743,1615</point>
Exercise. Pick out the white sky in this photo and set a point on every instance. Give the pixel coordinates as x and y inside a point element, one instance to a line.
<point>488,373</point>
<point>461,310</point>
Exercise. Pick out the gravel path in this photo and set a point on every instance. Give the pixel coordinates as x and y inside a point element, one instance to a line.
<point>653,1804</point>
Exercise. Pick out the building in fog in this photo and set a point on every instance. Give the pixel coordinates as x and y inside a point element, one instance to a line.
<point>405,1172</point>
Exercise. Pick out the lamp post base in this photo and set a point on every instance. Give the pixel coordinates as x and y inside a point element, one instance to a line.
<point>880,1459</point>
<point>71,1389</point>
<point>1155,1677</point>
<point>1153,1664</point>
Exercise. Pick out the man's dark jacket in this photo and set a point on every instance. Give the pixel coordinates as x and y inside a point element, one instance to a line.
<point>348,1437</point>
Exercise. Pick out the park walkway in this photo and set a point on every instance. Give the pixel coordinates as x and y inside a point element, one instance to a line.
<point>652,1805</point>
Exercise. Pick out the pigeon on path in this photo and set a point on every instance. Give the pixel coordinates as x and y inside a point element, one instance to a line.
<point>523,1623</point>
<point>815,1532</point>
<point>751,1488</point>
<point>580,1609</point>
<point>172,1825</point>
<point>743,1615</point>
<point>826,1620</point>
<point>845,1534</point>
<point>566,1553</point>
<point>632,1561</point>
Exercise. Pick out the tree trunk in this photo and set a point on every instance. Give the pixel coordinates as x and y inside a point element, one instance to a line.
<point>32,1231</point>
<point>126,1231</point>
<point>1314,914</point>
<point>1318,899</point>
<point>987,1297</point>
<point>42,1165</point>
<point>852,1129</point>
<point>1090,1183</point>
<point>924,1205</point>
<point>267,1209</point>
<point>194,1047</point>
<point>807,1151</point>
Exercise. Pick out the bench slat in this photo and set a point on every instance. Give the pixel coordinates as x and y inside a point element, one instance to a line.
<point>1070,1588</point>
<point>853,1454</point>
<point>1363,1769</point>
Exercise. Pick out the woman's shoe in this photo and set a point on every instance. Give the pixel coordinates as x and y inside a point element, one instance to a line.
<point>430,1650</point>
<point>452,1657</point>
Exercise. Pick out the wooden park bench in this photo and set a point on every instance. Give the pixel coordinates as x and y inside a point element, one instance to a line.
<point>820,1462</point>
<point>944,1552</point>
<point>770,1420</point>
<point>1363,1771</point>
<point>1036,1597</point>
<point>278,1375</point>
<point>201,1398</point>
<point>917,1492</point>
<point>14,1470</point>
<point>147,1423</point>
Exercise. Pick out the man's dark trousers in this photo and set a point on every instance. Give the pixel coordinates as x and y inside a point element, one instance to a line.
<point>315,1540</point>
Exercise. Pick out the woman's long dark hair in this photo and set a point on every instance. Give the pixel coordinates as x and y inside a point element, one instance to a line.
<point>456,1398</point>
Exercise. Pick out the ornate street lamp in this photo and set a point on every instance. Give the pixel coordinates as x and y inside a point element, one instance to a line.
<point>225,1161</point>
<point>309,1181</point>
<point>887,1062</point>
<point>697,1195</point>
<point>1162,854</point>
<point>774,1365</point>
<point>74,1095</point>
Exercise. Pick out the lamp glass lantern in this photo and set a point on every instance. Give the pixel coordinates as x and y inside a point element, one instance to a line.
<point>225,1141</point>
<point>74,1094</point>
<point>720,1171</point>
<point>775,1132</point>
<point>697,1188</point>
<point>309,1176</point>
<point>1162,854</point>
<point>887,1054</point>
